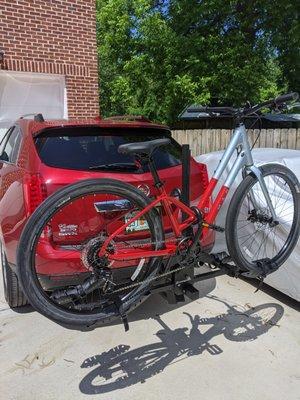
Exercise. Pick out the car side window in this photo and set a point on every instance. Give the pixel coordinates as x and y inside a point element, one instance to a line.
<point>4,139</point>
<point>17,145</point>
<point>12,146</point>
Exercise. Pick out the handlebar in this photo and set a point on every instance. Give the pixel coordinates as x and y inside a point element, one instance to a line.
<point>274,103</point>
<point>209,110</point>
<point>287,97</point>
<point>241,112</point>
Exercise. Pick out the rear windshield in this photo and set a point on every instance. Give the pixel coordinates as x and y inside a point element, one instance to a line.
<point>91,149</point>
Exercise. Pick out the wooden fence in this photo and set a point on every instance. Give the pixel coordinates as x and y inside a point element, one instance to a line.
<point>204,141</point>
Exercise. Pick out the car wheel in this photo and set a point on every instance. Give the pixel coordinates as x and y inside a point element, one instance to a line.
<point>13,293</point>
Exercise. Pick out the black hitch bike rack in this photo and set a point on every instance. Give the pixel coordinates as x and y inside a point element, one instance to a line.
<point>181,284</point>
<point>186,172</point>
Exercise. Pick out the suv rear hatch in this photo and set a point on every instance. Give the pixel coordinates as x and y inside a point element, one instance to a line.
<point>70,154</point>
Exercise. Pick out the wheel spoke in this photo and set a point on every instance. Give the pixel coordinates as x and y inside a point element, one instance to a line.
<point>256,237</point>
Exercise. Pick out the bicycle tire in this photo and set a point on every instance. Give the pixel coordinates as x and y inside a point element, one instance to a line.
<point>35,225</point>
<point>233,245</point>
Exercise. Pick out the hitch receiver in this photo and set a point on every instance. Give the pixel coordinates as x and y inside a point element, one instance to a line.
<point>190,291</point>
<point>171,297</point>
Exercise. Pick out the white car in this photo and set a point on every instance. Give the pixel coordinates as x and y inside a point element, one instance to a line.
<point>287,278</point>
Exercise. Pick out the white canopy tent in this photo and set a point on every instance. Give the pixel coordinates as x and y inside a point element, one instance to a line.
<point>24,93</point>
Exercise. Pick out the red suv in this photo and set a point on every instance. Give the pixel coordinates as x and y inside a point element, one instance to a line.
<point>38,157</point>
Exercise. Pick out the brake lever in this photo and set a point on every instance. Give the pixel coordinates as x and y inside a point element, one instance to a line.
<point>278,108</point>
<point>243,110</point>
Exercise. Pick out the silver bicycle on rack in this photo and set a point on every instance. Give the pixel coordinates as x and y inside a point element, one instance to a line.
<point>262,222</point>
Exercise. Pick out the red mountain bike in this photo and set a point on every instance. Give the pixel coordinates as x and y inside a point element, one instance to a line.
<point>131,245</point>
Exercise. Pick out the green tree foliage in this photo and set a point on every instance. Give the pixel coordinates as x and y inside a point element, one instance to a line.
<point>157,56</point>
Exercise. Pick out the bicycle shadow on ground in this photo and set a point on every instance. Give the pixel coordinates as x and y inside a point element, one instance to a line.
<point>121,367</point>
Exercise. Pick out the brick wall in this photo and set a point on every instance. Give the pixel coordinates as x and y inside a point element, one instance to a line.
<point>54,36</point>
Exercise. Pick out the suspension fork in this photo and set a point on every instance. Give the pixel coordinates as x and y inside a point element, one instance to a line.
<point>257,172</point>
<point>245,173</point>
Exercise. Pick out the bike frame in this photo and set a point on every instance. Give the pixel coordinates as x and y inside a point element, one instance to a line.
<point>239,142</point>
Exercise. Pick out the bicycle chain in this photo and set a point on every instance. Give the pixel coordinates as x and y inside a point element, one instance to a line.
<point>145,243</point>
<point>155,277</point>
<point>147,280</point>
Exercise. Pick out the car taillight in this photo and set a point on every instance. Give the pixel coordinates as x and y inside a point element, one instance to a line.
<point>35,191</point>
<point>204,181</point>
<point>203,175</point>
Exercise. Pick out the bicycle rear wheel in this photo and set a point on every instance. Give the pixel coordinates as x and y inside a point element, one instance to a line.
<point>59,265</point>
<point>251,233</point>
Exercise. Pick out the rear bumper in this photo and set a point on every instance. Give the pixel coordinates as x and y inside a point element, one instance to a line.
<point>51,282</point>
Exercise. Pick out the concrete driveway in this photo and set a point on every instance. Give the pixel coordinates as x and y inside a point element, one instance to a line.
<point>229,344</point>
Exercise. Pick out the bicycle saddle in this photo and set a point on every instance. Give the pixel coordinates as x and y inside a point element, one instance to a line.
<point>143,147</point>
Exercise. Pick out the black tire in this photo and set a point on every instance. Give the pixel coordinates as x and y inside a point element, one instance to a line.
<point>232,219</point>
<point>32,231</point>
<point>13,292</point>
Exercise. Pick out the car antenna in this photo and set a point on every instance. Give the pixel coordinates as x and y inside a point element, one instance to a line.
<point>39,118</point>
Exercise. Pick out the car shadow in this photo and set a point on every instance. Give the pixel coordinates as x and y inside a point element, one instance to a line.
<point>152,305</point>
<point>276,294</point>
<point>24,309</point>
<point>121,366</point>
<point>155,304</point>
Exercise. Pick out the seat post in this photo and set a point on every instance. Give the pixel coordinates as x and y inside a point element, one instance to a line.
<point>157,182</point>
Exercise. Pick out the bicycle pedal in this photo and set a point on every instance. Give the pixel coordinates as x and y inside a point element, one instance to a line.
<point>214,227</point>
<point>213,349</point>
<point>190,291</point>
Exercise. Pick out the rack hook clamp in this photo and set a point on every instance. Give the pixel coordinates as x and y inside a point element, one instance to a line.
<point>266,266</point>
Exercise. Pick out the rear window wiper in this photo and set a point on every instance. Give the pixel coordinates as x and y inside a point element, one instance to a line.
<point>116,167</point>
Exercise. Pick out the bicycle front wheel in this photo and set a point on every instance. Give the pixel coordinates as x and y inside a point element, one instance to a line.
<point>251,233</point>
<point>59,266</point>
